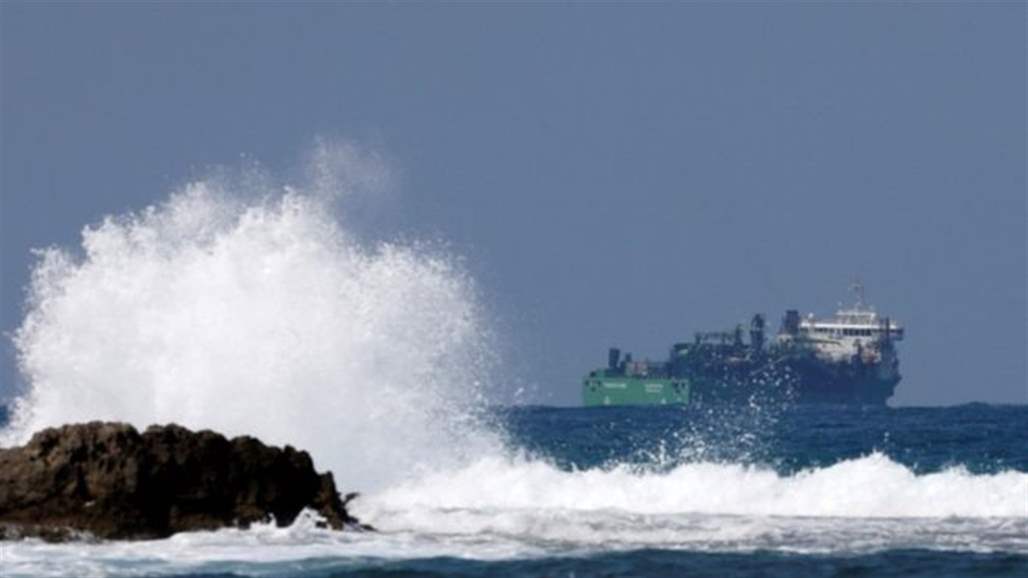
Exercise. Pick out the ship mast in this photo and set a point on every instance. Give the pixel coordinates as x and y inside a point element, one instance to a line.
<point>858,289</point>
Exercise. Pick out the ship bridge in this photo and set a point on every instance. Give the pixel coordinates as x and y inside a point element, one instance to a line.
<point>854,331</point>
<point>853,323</point>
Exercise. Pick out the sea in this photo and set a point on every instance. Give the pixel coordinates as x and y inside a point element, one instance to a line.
<point>253,306</point>
<point>653,491</point>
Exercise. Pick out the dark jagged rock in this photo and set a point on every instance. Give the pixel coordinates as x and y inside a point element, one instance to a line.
<point>110,481</point>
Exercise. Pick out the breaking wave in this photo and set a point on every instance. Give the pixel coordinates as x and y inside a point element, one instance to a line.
<point>860,505</point>
<point>873,486</point>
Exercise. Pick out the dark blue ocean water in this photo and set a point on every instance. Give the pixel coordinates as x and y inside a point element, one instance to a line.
<point>983,438</point>
<point>959,459</point>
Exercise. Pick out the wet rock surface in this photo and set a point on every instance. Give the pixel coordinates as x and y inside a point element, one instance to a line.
<point>109,481</point>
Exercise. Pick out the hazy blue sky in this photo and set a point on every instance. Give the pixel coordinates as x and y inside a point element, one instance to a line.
<point>613,174</point>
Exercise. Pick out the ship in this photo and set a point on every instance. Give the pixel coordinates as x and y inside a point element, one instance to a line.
<point>847,358</point>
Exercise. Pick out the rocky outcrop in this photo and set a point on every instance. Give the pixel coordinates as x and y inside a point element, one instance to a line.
<point>110,481</point>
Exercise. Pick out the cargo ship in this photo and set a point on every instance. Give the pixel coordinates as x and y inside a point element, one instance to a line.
<point>848,358</point>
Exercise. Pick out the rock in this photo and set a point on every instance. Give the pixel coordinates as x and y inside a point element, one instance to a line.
<point>110,481</point>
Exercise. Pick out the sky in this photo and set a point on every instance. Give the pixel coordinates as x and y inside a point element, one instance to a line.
<point>610,174</point>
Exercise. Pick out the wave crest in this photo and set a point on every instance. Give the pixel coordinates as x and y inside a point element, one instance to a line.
<point>872,486</point>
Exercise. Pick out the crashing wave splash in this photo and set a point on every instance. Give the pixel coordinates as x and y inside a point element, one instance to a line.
<point>248,307</point>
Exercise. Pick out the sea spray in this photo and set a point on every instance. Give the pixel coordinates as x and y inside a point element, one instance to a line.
<point>245,306</point>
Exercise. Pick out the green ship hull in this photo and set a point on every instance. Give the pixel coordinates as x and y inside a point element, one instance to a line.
<point>600,389</point>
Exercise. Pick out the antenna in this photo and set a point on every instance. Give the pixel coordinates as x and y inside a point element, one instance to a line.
<point>858,289</point>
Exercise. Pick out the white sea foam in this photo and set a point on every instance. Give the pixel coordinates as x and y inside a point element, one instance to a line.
<point>869,487</point>
<point>247,307</point>
<point>859,505</point>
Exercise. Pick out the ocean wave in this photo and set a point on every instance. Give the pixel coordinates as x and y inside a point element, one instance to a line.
<point>873,486</point>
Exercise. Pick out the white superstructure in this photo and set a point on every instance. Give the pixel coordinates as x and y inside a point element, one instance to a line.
<point>854,331</point>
